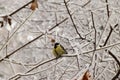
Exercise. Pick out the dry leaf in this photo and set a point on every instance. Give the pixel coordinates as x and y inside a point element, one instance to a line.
<point>6,19</point>
<point>34,5</point>
<point>86,76</point>
<point>52,40</point>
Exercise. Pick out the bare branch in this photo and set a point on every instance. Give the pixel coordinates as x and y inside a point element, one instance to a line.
<point>72,20</point>
<point>94,30</point>
<point>114,57</point>
<point>20,8</point>
<point>86,3</point>
<point>108,13</point>
<point>111,30</point>
<point>118,62</point>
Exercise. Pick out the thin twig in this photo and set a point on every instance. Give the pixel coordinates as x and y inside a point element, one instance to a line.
<point>118,62</point>
<point>111,30</point>
<point>78,64</point>
<point>86,3</point>
<point>94,30</point>
<point>117,75</point>
<point>58,24</point>
<point>94,55</point>
<point>108,13</point>
<point>72,20</point>
<point>114,57</point>
<point>7,45</point>
<point>20,8</point>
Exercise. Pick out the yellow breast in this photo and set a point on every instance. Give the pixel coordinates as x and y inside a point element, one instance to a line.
<point>58,51</point>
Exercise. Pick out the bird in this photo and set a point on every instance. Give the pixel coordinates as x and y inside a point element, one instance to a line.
<point>58,50</point>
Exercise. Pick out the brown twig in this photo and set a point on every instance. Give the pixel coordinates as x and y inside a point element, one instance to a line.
<point>111,30</point>
<point>78,64</point>
<point>20,8</point>
<point>94,42</point>
<point>31,41</point>
<point>116,76</point>
<point>108,13</point>
<point>72,20</point>
<point>118,62</point>
<point>94,30</point>
<point>86,3</point>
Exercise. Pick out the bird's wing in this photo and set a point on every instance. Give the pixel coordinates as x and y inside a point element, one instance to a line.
<point>63,49</point>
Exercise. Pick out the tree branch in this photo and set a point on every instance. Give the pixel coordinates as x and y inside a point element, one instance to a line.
<point>20,8</point>
<point>72,20</point>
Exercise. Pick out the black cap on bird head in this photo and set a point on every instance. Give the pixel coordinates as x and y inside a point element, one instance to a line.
<point>56,44</point>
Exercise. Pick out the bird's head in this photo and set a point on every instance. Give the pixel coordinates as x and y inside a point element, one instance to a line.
<point>56,44</point>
